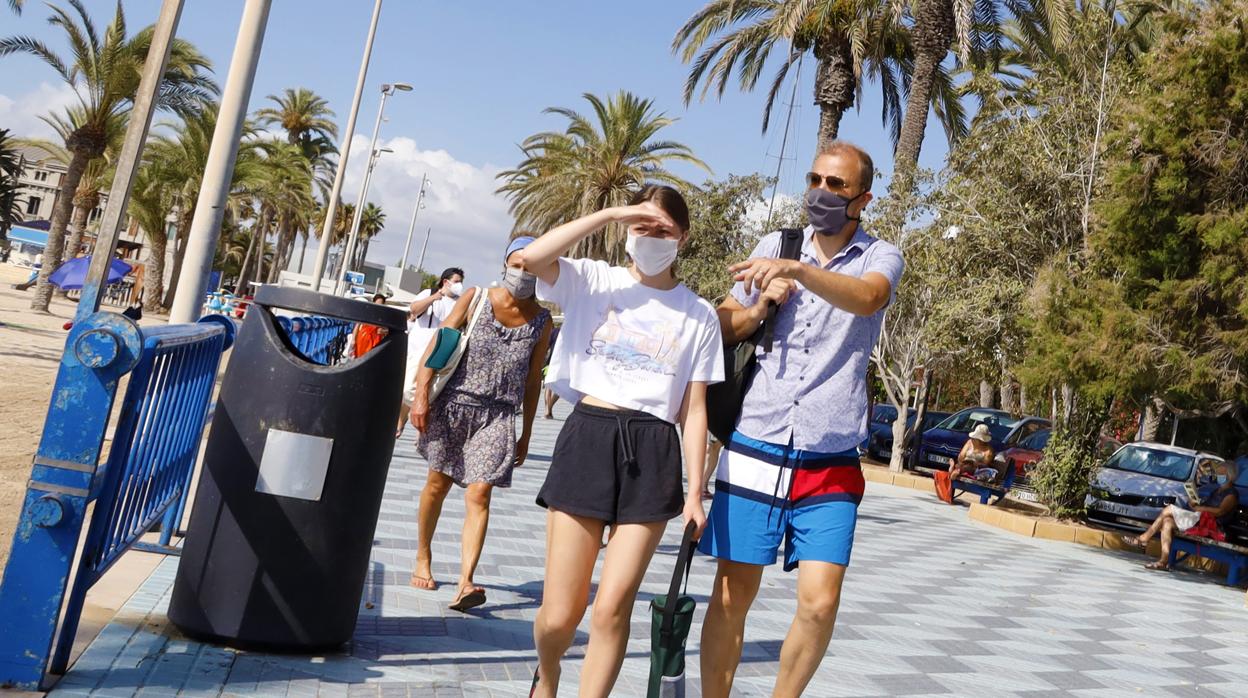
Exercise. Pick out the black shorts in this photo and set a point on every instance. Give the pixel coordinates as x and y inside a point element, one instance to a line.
<point>617,466</point>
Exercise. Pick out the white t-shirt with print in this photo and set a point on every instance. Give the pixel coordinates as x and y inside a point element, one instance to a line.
<point>627,344</point>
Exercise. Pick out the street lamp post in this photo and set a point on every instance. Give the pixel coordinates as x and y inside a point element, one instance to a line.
<point>386,90</point>
<point>421,265</point>
<point>420,200</point>
<point>331,205</point>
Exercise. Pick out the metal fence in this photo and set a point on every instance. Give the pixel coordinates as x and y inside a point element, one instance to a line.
<point>144,480</point>
<point>322,340</point>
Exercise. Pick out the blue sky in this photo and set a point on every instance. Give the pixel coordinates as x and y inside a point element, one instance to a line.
<point>483,72</point>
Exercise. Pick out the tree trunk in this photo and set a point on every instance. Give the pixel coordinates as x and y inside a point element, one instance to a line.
<point>1022,398</point>
<point>257,244</point>
<point>84,203</point>
<point>911,450</point>
<point>154,271</point>
<point>60,220</point>
<point>303,250</point>
<point>184,233</point>
<point>985,394</point>
<point>835,85</point>
<point>1154,410</point>
<point>1068,401</point>
<point>932,34</point>
<point>895,460</point>
<point>1009,403</point>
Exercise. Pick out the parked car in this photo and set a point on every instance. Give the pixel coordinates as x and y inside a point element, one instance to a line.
<point>879,445</point>
<point>1024,455</point>
<point>881,422</point>
<point>1132,487</point>
<point>942,444</point>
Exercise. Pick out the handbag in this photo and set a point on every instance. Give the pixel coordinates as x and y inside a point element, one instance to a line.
<point>671,618</point>
<point>723,400</point>
<point>449,347</point>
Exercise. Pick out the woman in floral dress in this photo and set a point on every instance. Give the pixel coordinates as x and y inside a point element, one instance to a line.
<point>469,430</point>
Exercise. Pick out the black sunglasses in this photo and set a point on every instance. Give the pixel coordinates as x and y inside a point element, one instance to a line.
<point>814,179</point>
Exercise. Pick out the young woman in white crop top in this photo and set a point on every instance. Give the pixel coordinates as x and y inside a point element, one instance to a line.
<point>636,353</point>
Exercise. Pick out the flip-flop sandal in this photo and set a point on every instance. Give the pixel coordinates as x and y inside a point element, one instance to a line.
<point>1133,541</point>
<point>1157,567</point>
<point>474,597</point>
<point>423,583</point>
<point>533,686</point>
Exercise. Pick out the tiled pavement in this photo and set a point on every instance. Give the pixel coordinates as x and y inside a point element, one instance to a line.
<point>934,605</point>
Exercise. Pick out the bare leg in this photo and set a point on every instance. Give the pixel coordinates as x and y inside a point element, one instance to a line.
<point>434,493</point>
<point>723,629</point>
<point>818,598</point>
<point>551,399</point>
<point>1156,527</point>
<point>1167,537</point>
<point>571,551</point>
<point>628,555</point>
<point>476,522</point>
<point>404,409</point>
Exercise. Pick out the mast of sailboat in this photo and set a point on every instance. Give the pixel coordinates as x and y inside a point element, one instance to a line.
<point>784,140</point>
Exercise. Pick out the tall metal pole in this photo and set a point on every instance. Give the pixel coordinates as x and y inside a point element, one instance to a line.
<point>331,206</point>
<point>415,212</point>
<point>349,252</point>
<point>210,207</point>
<point>129,158</point>
<point>421,265</point>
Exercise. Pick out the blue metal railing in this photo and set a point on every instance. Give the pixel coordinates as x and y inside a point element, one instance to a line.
<point>320,339</point>
<point>144,481</point>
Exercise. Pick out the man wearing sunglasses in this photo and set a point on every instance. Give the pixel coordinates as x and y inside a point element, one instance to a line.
<point>790,471</point>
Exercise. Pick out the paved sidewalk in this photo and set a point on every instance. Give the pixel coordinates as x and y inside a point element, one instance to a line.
<point>934,605</point>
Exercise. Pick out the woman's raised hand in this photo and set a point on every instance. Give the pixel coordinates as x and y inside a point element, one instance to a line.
<point>646,213</point>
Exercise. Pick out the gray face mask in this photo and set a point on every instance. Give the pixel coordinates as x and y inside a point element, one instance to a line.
<point>828,213</point>
<point>519,283</point>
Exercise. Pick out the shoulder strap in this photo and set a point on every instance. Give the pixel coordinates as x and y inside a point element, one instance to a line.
<point>478,299</point>
<point>790,248</point>
<point>683,562</point>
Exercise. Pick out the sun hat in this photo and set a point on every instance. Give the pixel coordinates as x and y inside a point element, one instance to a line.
<point>981,433</point>
<point>518,244</point>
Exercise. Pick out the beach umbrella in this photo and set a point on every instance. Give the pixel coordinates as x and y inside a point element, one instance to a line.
<point>73,274</point>
<point>671,616</point>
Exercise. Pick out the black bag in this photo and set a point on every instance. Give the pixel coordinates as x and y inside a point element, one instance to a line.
<point>723,400</point>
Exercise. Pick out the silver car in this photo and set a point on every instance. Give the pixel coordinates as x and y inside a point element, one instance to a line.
<point>1140,480</point>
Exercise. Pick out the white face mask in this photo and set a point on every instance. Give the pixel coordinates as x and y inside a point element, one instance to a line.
<point>455,289</point>
<point>651,255</point>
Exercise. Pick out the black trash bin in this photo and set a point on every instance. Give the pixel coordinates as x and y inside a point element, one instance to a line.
<point>278,544</point>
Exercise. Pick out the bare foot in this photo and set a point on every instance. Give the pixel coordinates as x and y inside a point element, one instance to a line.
<point>1159,565</point>
<point>422,577</point>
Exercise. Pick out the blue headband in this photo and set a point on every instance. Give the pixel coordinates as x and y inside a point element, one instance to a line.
<point>518,244</point>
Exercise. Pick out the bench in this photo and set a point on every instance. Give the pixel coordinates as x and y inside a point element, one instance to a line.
<point>1232,554</point>
<point>985,490</point>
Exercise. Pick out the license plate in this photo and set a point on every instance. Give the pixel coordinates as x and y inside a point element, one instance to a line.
<point>1025,496</point>
<point>1110,507</point>
<point>887,453</point>
<point>943,460</point>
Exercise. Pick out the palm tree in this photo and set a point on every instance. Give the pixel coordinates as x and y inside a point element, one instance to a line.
<point>301,113</point>
<point>592,165</point>
<point>308,122</point>
<point>849,39</point>
<point>150,206</point>
<point>16,6</point>
<point>372,222</point>
<point>104,72</point>
<point>11,166</point>
<point>177,159</point>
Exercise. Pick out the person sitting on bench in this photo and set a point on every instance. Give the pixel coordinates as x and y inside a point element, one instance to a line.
<point>1205,517</point>
<point>975,459</point>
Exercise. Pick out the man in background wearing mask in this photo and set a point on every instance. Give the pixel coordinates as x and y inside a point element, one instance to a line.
<point>424,317</point>
<point>790,472</point>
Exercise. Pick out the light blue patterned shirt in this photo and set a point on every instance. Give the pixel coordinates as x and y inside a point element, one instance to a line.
<point>812,389</point>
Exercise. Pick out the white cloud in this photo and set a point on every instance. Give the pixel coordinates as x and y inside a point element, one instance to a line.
<point>470,222</point>
<point>21,114</point>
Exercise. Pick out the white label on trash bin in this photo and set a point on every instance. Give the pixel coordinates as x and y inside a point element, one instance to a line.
<point>294,465</point>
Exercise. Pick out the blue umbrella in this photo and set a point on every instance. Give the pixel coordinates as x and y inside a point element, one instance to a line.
<point>73,273</point>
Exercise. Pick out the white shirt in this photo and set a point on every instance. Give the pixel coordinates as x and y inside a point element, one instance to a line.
<point>420,332</point>
<point>628,344</point>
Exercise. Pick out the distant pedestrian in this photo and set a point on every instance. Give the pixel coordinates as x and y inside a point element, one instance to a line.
<point>636,353</point>
<point>430,309</point>
<point>369,336</point>
<point>789,475</point>
<point>469,430</point>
